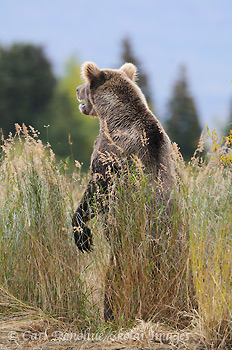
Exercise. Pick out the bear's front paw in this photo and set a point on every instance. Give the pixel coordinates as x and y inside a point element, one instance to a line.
<point>83,237</point>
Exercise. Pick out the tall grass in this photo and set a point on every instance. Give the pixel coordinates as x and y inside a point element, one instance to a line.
<point>175,269</point>
<point>209,205</point>
<point>147,269</point>
<point>39,261</point>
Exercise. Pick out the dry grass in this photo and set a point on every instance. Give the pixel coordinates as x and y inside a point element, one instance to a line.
<point>39,262</point>
<point>175,271</point>
<point>147,273</point>
<point>209,203</point>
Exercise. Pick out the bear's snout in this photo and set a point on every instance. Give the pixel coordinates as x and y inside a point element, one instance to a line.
<point>81,93</point>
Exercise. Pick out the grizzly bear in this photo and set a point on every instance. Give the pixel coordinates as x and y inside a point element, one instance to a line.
<point>125,120</point>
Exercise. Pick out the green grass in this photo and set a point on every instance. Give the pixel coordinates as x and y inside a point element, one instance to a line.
<point>177,272</point>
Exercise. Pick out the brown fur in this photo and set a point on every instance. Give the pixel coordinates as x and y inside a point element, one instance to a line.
<point>127,129</point>
<point>114,97</point>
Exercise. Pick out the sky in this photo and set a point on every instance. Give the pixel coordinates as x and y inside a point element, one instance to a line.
<point>164,35</point>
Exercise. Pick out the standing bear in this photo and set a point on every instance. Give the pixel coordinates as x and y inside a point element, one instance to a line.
<point>125,121</point>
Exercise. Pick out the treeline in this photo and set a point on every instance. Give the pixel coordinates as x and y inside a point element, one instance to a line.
<point>30,93</point>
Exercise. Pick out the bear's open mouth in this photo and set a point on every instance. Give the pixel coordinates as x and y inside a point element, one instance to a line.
<point>82,107</point>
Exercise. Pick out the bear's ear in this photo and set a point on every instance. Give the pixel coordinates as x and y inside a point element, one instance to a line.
<point>90,72</point>
<point>130,70</point>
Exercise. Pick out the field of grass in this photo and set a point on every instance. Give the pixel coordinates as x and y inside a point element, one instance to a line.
<point>183,282</point>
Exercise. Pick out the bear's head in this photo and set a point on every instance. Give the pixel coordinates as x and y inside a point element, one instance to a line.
<point>109,91</point>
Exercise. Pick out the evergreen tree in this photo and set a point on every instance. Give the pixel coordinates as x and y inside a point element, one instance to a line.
<point>26,86</point>
<point>183,125</point>
<point>129,57</point>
